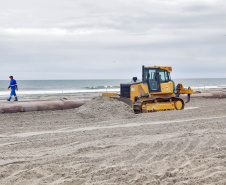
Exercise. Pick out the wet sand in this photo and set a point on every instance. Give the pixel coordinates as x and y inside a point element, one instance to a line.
<point>103,142</point>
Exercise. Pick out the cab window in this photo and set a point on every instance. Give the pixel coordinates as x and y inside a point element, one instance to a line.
<point>163,76</point>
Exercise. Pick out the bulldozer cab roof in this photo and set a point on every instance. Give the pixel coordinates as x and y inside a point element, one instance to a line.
<point>160,67</point>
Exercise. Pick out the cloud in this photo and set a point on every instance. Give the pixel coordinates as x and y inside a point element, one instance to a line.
<point>45,31</point>
<point>82,38</point>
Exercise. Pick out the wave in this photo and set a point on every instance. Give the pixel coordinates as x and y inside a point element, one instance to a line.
<point>6,93</point>
<point>90,89</point>
<point>209,87</point>
<point>103,87</point>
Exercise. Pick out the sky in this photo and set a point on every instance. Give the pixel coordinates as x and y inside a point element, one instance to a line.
<point>102,39</point>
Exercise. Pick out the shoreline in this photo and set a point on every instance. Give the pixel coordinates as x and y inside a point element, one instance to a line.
<point>46,96</point>
<point>69,102</point>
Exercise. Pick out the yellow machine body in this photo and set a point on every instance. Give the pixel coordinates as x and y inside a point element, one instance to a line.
<point>111,94</point>
<point>138,90</point>
<point>156,91</point>
<point>167,68</point>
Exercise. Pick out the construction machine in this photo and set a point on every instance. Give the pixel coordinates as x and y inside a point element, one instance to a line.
<point>156,91</point>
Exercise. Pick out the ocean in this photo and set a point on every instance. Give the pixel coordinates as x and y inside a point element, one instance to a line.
<point>38,89</point>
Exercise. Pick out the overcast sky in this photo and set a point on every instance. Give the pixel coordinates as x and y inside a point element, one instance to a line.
<point>102,39</point>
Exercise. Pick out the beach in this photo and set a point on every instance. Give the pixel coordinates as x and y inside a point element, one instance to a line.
<point>104,142</point>
<point>113,92</point>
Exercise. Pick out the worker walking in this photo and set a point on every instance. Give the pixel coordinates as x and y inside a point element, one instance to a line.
<point>13,86</point>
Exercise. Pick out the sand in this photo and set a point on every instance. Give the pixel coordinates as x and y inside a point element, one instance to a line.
<point>103,142</point>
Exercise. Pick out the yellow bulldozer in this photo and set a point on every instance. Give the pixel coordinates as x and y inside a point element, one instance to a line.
<point>156,91</point>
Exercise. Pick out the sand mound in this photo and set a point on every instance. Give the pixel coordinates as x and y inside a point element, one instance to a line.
<point>105,107</point>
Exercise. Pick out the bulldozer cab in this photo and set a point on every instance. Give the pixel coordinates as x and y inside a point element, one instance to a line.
<point>154,76</point>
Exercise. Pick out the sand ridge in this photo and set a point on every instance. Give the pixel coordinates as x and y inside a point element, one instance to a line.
<point>103,142</point>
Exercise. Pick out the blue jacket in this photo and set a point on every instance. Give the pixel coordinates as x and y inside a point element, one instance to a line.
<point>13,84</point>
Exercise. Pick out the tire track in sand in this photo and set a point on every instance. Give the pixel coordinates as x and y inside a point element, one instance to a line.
<point>28,134</point>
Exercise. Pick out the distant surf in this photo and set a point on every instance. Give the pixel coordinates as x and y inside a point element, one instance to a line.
<point>90,87</point>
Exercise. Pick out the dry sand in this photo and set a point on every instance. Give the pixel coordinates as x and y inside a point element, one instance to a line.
<point>103,142</point>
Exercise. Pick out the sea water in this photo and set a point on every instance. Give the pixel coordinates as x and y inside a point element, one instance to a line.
<point>90,88</point>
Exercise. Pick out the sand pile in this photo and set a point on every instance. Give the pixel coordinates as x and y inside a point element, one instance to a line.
<point>105,108</point>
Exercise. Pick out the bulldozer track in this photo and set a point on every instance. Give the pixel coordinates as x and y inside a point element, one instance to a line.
<point>137,106</point>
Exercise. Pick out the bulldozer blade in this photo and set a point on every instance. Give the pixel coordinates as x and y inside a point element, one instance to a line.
<point>125,100</point>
